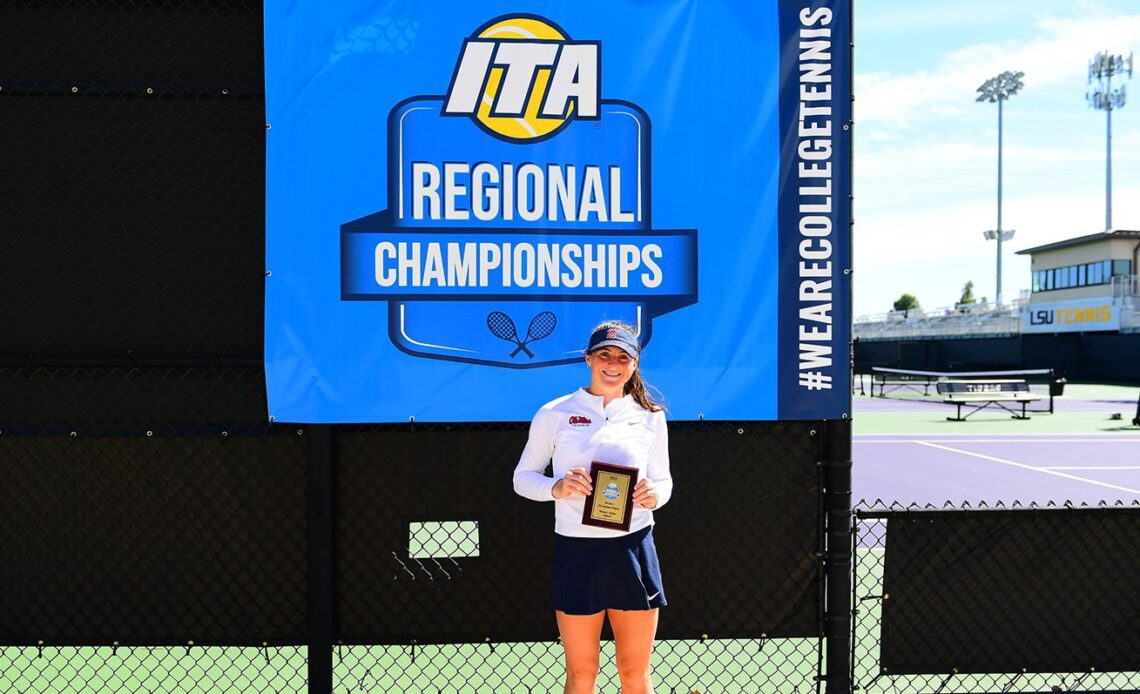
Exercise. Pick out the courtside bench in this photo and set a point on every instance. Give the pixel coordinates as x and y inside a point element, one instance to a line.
<point>1003,393</point>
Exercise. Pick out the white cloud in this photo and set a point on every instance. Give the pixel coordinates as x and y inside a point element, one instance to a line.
<point>925,161</point>
<point>931,250</point>
<point>1058,55</point>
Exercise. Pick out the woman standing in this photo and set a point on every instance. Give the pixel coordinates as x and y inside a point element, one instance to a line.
<point>599,572</point>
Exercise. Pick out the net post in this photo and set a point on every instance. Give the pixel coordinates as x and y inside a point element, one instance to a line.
<point>835,457</point>
<point>1052,378</point>
<point>318,476</point>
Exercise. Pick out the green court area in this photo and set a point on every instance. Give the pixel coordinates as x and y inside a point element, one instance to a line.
<point>780,666</point>
<point>1084,408</point>
<point>157,669</point>
<point>721,666</point>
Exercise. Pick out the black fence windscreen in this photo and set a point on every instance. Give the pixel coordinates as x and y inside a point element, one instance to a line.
<point>194,42</point>
<point>478,568</point>
<point>1033,590</point>
<point>152,540</point>
<point>434,546</point>
<point>998,598</point>
<point>133,182</point>
<point>144,537</point>
<point>158,532</point>
<point>132,399</point>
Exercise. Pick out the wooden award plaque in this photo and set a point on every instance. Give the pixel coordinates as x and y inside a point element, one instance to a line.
<point>611,503</point>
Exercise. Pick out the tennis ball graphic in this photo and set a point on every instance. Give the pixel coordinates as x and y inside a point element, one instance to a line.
<point>530,125</point>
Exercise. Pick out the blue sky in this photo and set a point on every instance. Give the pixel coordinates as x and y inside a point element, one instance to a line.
<point>926,153</point>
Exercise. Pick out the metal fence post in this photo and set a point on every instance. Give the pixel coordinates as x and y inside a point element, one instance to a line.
<point>835,456</point>
<point>320,557</point>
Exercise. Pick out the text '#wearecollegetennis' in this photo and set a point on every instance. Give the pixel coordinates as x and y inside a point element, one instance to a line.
<point>815,156</point>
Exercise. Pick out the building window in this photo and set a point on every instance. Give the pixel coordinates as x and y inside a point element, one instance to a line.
<point>1084,275</point>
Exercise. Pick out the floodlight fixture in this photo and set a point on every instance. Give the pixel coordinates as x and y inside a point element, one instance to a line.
<point>998,89</point>
<point>1001,87</point>
<point>1102,97</point>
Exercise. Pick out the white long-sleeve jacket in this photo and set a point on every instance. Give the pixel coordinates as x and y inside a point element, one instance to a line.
<point>577,429</point>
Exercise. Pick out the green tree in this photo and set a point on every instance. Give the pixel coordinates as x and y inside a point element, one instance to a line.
<point>967,293</point>
<point>906,302</point>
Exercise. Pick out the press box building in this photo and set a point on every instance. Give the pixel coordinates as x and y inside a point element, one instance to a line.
<point>1084,284</point>
<point>1080,317</point>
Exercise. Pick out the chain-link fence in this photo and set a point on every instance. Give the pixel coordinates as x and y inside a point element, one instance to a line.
<point>153,669</point>
<point>996,599</point>
<point>153,531</point>
<point>711,665</point>
<point>442,573</point>
<point>158,536</point>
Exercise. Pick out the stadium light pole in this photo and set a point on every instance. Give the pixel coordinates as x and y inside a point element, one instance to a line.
<point>999,89</point>
<point>1104,98</point>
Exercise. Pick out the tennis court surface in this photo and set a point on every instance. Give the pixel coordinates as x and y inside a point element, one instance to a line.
<point>909,455</point>
<point>906,451</point>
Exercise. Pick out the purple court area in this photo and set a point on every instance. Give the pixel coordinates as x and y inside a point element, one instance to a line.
<point>1030,468</point>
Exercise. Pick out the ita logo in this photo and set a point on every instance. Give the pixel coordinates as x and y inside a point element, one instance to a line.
<point>519,208</point>
<point>522,79</point>
<point>611,491</point>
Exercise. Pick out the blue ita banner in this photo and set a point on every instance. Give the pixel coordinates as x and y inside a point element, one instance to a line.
<point>455,199</point>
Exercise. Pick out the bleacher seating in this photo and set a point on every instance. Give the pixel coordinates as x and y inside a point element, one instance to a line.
<point>977,320</point>
<point>983,319</point>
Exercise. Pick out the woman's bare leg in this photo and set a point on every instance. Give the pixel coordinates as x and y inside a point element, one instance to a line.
<point>581,635</point>
<point>634,631</point>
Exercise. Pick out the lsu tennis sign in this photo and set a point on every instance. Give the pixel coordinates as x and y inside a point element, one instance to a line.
<point>453,201</point>
<point>1081,315</point>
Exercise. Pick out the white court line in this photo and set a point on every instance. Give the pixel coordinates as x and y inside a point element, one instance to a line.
<point>1093,467</point>
<point>1112,441</point>
<point>1043,471</point>
<point>942,434</point>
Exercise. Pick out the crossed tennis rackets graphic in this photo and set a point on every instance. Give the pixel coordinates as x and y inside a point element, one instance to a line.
<point>502,327</point>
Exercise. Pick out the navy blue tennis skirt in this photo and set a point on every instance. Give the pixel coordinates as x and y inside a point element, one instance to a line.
<point>594,574</point>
